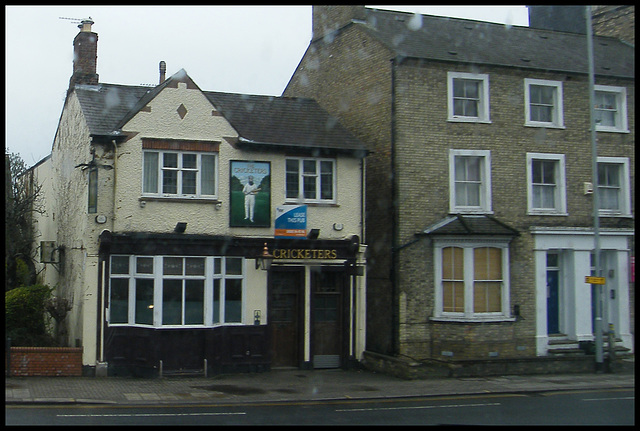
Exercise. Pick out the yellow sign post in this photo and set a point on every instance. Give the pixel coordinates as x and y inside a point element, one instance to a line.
<point>594,280</point>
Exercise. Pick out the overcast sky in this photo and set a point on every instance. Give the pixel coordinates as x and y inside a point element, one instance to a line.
<point>235,49</point>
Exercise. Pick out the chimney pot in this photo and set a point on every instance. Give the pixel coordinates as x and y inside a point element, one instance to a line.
<point>163,71</point>
<point>85,25</point>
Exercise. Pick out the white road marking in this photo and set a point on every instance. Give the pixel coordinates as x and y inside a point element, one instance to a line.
<point>419,407</point>
<point>150,414</point>
<point>608,399</point>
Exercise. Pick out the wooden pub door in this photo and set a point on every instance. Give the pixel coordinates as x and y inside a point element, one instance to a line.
<point>286,291</point>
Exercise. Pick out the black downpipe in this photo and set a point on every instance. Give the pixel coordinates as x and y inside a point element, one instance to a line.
<point>395,321</point>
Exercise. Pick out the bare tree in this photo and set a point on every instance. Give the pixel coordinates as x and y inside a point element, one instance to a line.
<point>23,199</point>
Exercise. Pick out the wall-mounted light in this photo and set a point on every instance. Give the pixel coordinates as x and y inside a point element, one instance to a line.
<point>180,227</point>
<point>313,234</point>
<point>265,260</point>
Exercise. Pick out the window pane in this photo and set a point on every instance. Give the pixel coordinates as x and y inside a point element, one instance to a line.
<point>486,297</point>
<point>216,301</point>
<point>217,265</point>
<point>144,301</point>
<point>172,266</point>
<point>172,302</point>
<point>233,300</point>
<point>170,160</point>
<point>144,265</point>
<point>194,266</point>
<point>119,301</point>
<point>292,178</point>
<point>233,266</point>
<point>452,263</point>
<point>150,173</point>
<point>453,297</point>
<point>189,161</point>
<point>170,182</point>
<point>326,180</point>
<point>194,302</point>
<point>208,175</point>
<point>309,187</point>
<point>487,263</point>
<point>189,183</point>
<point>93,191</point>
<point>119,264</point>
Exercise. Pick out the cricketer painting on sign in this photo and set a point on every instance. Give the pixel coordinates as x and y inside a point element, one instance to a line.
<point>250,188</point>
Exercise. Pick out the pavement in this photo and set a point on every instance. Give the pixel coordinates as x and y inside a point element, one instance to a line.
<point>289,386</point>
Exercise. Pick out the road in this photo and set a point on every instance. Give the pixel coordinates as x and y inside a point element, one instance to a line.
<point>596,407</point>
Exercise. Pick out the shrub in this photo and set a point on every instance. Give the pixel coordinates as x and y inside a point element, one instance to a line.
<point>25,316</point>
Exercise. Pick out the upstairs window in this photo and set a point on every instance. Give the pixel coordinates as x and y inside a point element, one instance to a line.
<point>310,180</point>
<point>174,169</point>
<point>610,108</point>
<point>470,181</point>
<point>546,189</point>
<point>468,97</point>
<point>614,186</point>
<point>543,103</point>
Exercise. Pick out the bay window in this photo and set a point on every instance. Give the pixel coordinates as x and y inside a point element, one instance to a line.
<point>472,280</point>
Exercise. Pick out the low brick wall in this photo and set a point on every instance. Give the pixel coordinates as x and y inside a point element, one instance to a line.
<point>46,361</point>
<point>413,370</point>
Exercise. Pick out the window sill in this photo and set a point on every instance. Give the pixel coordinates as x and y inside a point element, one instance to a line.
<point>468,120</point>
<point>615,215</point>
<point>611,130</point>
<point>312,204</point>
<point>179,199</point>
<point>455,211</point>
<point>545,125</point>
<point>464,319</point>
<point>547,213</point>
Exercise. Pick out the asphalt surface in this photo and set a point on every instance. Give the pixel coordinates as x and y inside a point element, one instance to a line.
<point>289,385</point>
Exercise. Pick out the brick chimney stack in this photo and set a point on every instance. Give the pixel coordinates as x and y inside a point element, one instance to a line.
<point>85,55</point>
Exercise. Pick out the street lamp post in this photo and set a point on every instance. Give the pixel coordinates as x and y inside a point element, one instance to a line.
<point>596,204</point>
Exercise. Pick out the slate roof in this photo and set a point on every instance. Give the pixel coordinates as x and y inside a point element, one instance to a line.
<point>470,225</point>
<point>261,121</point>
<point>285,121</point>
<point>478,42</point>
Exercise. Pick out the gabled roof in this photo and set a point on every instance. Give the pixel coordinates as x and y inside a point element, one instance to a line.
<point>468,41</point>
<point>261,121</point>
<point>459,224</point>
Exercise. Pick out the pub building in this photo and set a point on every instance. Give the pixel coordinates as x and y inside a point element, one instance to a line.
<point>167,227</point>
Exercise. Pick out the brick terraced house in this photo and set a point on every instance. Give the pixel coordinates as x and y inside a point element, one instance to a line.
<point>479,186</point>
<point>162,205</point>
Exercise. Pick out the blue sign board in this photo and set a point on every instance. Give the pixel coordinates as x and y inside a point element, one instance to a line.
<point>291,221</point>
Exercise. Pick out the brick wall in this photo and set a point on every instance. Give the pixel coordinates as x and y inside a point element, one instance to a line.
<point>46,361</point>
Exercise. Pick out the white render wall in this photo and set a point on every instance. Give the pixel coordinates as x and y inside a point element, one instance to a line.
<point>163,122</point>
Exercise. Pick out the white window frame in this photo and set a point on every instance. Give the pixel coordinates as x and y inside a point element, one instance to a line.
<point>468,246</point>
<point>625,188</point>
<point>560,189</point>
<point>179,195</point>
<point>485,178</point>
<point>158,278</point>
<point>483,93</point>
<point>301,175</point>
<point>620,93</point>
<point>558,115</point>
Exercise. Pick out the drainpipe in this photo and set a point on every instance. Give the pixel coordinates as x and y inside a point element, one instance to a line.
<point>395,318</point>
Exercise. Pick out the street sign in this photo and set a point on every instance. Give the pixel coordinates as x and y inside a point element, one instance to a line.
<point>594,280</point>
